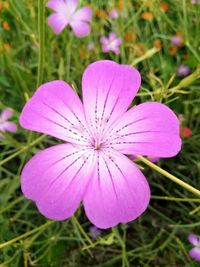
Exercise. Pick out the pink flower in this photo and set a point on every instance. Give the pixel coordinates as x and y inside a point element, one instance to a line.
<point>177,40</point>
<point>5,125</point>
<point>66,12</point>
<point>113,14</point>
<point>183,71</point>
<point>194,252</point>
<point>90,165</point>
<point>111,43</point>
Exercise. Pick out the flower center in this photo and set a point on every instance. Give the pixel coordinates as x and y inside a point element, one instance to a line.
<point>96,142</point>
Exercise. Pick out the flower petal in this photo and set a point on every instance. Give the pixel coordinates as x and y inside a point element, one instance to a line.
<point>104,40</point>
<point>108,90</point>
<point>118,192</point>
<point>83,14</point>
<point>193,239</point>
<point>6,114</point>
<point>57,22</point>
<point>9,126</point>
<point>195,253</point>
<point>55,109</point>
<point>56,179</point>
<point>62,6</point>
<point>80,21</point>
<point>149,129</point>
<point>80,28</point>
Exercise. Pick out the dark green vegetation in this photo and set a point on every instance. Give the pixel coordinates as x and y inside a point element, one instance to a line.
<point>159,237</point>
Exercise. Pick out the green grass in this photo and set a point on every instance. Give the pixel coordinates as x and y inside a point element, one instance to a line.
<point>159,237</point>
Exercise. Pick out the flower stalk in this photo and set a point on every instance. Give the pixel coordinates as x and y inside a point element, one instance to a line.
<point>35,230</point>
<point>169,176</point>
<point>41,30</point>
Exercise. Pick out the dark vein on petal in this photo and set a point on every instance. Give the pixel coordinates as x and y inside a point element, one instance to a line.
<point>111,177</point>
<point>127,125</point>
<point>57,112</point>
<point>105,102</point>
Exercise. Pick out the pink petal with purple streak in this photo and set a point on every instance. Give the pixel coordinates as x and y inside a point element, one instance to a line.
<point>109,88</point>
<point>57,178</point>
<point>55,109</point>
<point>149,129</point>
<point>118,192</point>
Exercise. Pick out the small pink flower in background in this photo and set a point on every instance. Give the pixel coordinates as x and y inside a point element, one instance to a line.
<point>91,166</point>
<point>66,12</point>
<point>177,40</point>
<point>113,14</point>
<point>183,70</point>
<point>90,46</point>
<point>94,232</point>
<point>5,125</point>
<point>111,43</point>
<point>194,252</point>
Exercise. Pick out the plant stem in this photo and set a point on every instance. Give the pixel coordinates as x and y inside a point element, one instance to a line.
<point>170,176</point>
<point>22,150</point>
<point>10,242</point>
<point>178,199</point>
<point>41,30</point>
<point>82,230</point>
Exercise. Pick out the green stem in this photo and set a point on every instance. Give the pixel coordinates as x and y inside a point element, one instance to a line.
<point>82,231</point>
<point>41,29</point>
<point>14,240</point>
<point>148,54</point>
<point>170,176</point>
<point>22,150</point>
<point>178,199</point>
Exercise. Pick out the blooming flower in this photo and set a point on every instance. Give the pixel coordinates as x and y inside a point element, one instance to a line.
<point>111,43</point>
<point>183,70</point>
<point>5,125</point>
<point>94,232</point>
<point>194,252</point>
<point>90,166</point>
<point>66,12</point>
<point>113,14</point>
